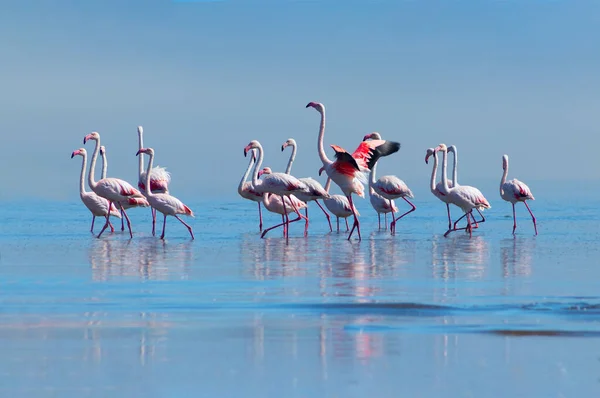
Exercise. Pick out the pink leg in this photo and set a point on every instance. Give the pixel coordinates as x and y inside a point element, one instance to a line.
<point>183,222</point>
<point>106,223</point>
<point>449,219</point>
<point>356,223</point>
<point>128,222</point>
<point>392,224</point>
<point>260,225</point>
<point>164,227</point>
<point>285,223</point>
<point>93,219</point>
<point>326,215</point>
<point>122,221</point>
<point>385,220</point>
<point>514,219</point>
<point>112,229</point>
<point>532,217</point>
<point>153,210</point>
<point>306,222</point>
<point>338,223</point>
<point>379,220</point>
<point>469,215</point>
<point>410,211</point>
<point>347,227</point>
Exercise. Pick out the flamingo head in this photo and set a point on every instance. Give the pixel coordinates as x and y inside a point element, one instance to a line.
<point>252,145</point>
<point>147,151</point>
<point>321,170</point>
<point>430,151</point>
<point>266,170</point>
<point>372,136</point>
<point>441,147</point>
<point>452,149</point>
<point>290,142</point>
<point>102,149</point>
<point>140,130</point>
<point>92,136</point>
<point>78,152</point>
<point>317,105</point>
<point>504,162</point>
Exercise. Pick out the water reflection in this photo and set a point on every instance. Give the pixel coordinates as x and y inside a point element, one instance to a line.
<point>147,259</point>
<point>516,255</point>
<point>459,257</point>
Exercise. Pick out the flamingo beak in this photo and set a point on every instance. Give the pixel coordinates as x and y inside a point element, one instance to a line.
<point>246,149</point>
<point>366,137</point>
<point>321,170</point>
<point>283,146</point>
<point>138,152</point>
<point>427,159</point>
<point>74,153</point>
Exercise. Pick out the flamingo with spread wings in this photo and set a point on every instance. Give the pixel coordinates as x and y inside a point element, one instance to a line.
<point>348,168</point>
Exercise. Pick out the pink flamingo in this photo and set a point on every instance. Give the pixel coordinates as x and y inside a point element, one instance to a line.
<point>114,190</point>
<point>316,190</point>
<point>390,187</point>
<point>276,183</point>
<point>167,204</point>
<point>514,191</point>
<point>160,178</point>
<point>97,205</point>
<point>350,167</point>
<point>464,196</point>
<point>338,205</point>
<point>245,190</point>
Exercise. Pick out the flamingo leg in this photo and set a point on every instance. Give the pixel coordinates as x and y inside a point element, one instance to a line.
<point>385,220</point>
<point>326,215</point>
<point>514,219</point>
<point>106,223</point>
<point>300,217</point>
<point>410,211</point>
<point>347,227</point>
<point>306,223</point>
<point>128,222</point>
<point>154,221</point>
<point>93,219</point>
<point>122,221</point>
<point>164,227</point>
<point>449,219</point>
<point>112,229</point>
<point>338,223</point>
<point>393,223</point>
<point>532,217</point>
<point>279,225</point>
<point>260,225</point>
<point>356,223</point>
<point>469,223</point>
<point>285,223</point>
<point>183,222</point>
<point>480,221</point>
<point>379,220</point>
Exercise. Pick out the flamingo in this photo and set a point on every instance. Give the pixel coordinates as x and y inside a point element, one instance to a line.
<point>338,205</point>
<point>464,196</point>
<point>390,187</point>
<point>514,191</point>
<point>438,190</point>
<point>97,205</point>
<point>277,183</point>
<point>160,178</point>
<point>114,190</point>
<point>349,168</point>
<point>245,190</point>
<point>316,190</point>
<point>167,204</point>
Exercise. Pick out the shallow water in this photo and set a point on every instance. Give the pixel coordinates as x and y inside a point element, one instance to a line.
<point>231,315</point>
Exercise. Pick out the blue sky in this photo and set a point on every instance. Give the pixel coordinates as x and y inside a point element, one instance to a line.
<point>205,78</point>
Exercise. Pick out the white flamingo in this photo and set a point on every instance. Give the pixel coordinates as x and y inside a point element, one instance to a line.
<point>276,183</point>
<point>245,190</point>
<point>160,178</point>
<point>316,190</point>
<point>114,190</point>
<point>515,191</point>
<point>349,168</point>
<point>167,204</point>
<point>97,205</point>
<point>438,189</point>
<point>390,187</point>
<point>464,196</point>
<point>338,205</point>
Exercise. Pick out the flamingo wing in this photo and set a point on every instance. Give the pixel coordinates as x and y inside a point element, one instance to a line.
<point>343,157</point>
<point>521,190</point>
<point>168,204</point>
<point>368,152</point>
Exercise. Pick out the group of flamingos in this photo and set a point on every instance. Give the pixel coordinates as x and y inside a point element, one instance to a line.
<point>284,194</point>
<point>111,196</point>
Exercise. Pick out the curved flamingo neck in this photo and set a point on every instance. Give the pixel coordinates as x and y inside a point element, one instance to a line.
<point>104,165</point>
<point>320,147</point>
<point>503,180</point>
<point>150,160</point>
<point>82,175</point>
<point>245,176</point>
<point>372,176</point>
<point>267,199</point>
<point>288,169</point>
<point>91,180</point>
<point>444,171</point>
<point>434,172</point>
<point>141,155</point>
<point>455,169</point>
<point>327,185</point>
<point>257,165</point>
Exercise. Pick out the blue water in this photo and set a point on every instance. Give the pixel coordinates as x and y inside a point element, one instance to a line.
<point>233,315</point>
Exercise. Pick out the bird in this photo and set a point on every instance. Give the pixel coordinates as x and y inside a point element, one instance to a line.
<point>245,190</point>
<point>438,189</point>
<point>515,191</point>
<point>316,190</point>
<point>348,168</point>
<point>464,196</point>
<point>160,178</point>
<point>166,203</point>
<point>114,190</point>
<point>276,183</point>
<point>96,204</point>
<point>390,187</point>
<point>338,205</point>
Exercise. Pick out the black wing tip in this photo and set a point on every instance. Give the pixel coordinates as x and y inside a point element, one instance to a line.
<point>385,149</point>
